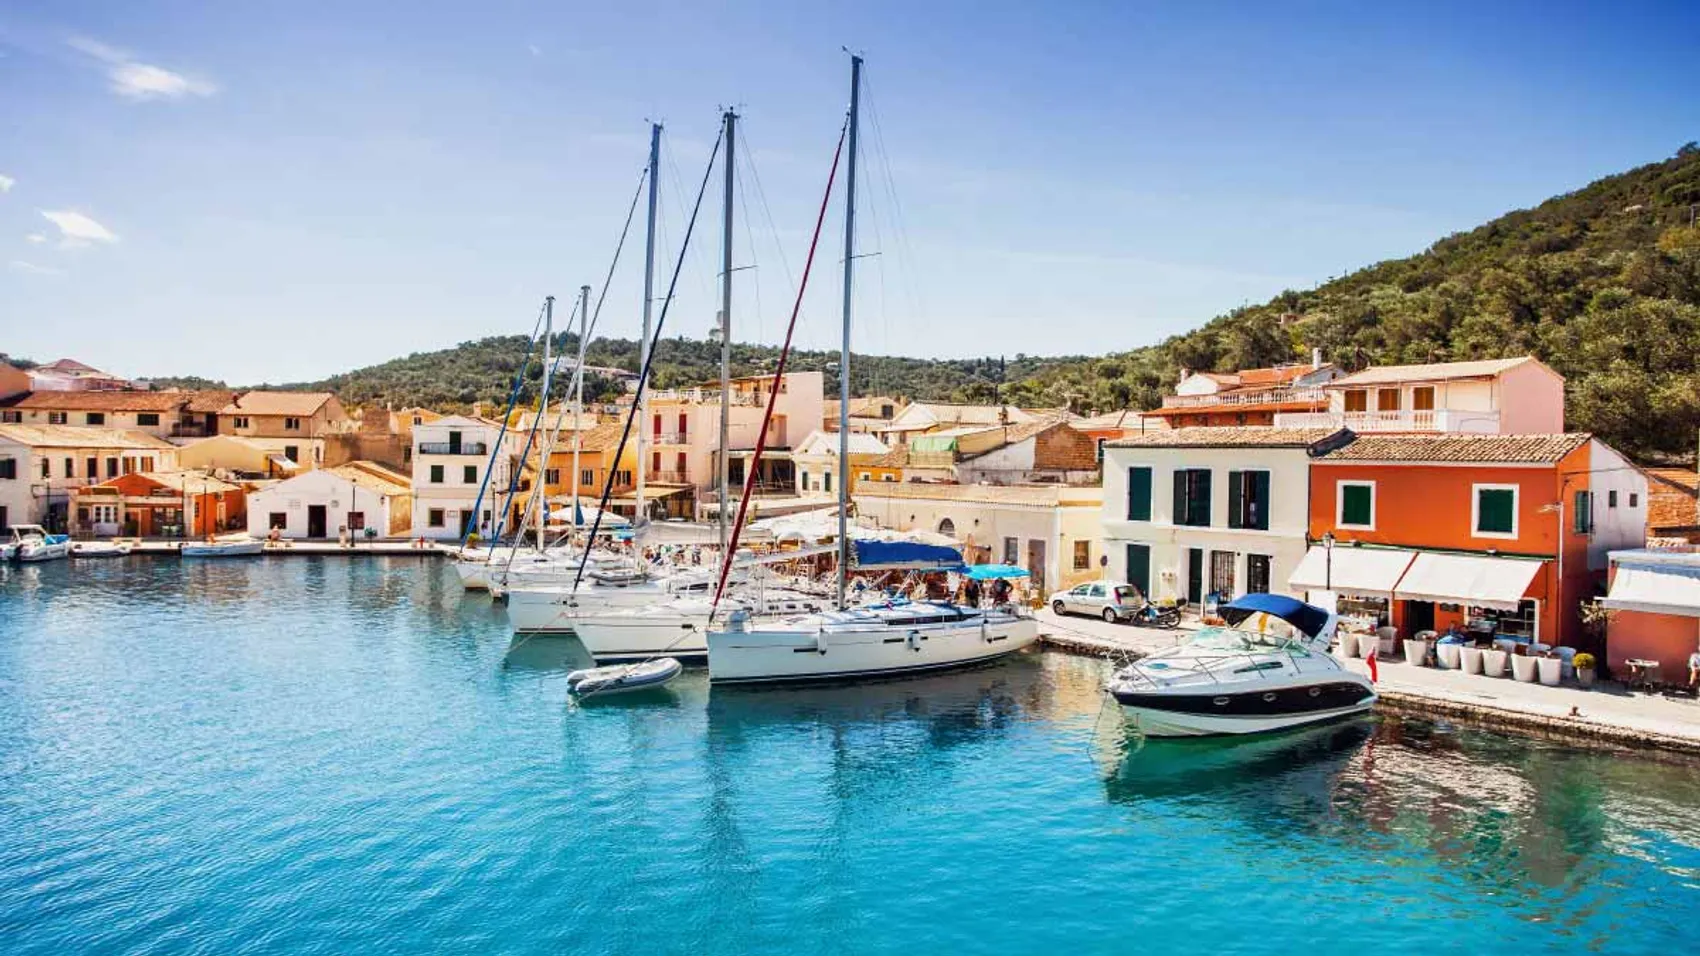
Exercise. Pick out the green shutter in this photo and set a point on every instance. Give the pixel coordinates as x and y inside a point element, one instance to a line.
<point>1357,505</point>
<point>1496,510</point>
<point>1139,567</point>
<point>1236,499</point>
<point>1260,494</point>
<point>1585,512</point>
<point>1178,510</point>
<point>1139,494</point>
<point>1198,509</point>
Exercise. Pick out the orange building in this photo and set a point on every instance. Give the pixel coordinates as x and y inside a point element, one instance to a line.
<point>1483,532</point>
<point>151,504</point>
<point>1654,609</point>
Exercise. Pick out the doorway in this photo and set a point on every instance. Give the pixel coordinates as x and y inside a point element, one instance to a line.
<point>1139,568</point>
<point>1195,576</point>
<point>315,521</point>
<point>1419,616</point>
<point>1036,563</point>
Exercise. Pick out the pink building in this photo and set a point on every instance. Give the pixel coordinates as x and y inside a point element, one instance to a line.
<point>1511,396</point>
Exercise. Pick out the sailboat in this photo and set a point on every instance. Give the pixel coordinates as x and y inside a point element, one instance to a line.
<point>896,637</point>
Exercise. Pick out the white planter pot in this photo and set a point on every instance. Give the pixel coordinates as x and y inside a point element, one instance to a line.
<point>1348,647</point>
<point>1493,663</point>
<point>1415,651</point>
<point>1523,668</point>
<point>1447,656</point>
<point>1472,658</point>
<point>1388,647</point>
<point>1368,644</point>
<point>1551,670</point>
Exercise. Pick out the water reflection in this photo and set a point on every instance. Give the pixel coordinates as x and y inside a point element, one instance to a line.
<point>1306,761</point>
<point>548,653</point>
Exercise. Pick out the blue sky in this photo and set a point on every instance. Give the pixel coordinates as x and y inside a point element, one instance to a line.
<point>280,191</point>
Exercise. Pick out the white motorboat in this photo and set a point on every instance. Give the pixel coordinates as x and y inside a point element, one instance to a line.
<point>31,542</point>
<point>225,546</point>
<point>899,637</point>
<point>1268,670</point>
<point>678,627</point>
<point>623,678</point>
<point>550,609</point>
<point>99,549</point>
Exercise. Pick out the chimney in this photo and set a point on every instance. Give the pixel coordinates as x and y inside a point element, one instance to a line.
<point>1184,373</point>
<point>1316,357</point>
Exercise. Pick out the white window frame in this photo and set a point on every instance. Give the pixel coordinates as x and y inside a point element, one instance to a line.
<point>1340,487</point>
<point>1476,510</point>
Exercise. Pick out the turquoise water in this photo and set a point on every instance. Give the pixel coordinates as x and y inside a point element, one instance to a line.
<point>329,756</point>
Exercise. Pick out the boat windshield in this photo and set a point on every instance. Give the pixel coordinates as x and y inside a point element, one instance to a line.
<point>1240,640</point>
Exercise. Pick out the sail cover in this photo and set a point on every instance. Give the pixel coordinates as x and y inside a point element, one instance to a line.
<point>897,555</point>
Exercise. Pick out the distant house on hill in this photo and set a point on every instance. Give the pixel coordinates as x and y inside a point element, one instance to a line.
<point>1509,396</point>
<point>1673,504</point>
<point>1247,397</point>
<point>70,375</point>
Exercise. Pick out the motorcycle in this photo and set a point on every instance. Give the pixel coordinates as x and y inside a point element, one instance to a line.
<point>1152,615</point>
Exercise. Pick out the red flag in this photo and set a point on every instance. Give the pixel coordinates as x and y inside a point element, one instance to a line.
<point>1371,661</point>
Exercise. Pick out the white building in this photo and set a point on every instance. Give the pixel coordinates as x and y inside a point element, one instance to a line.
<point>816,458</point>
<point>451,458</point>
<point>1192,511</point>
<point>319,504</point>
<point>1510,396</point>
<point>41,464</point>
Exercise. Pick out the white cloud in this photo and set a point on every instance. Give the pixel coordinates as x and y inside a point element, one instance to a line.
<point>33,269</point>
<point>6,183</point>
<point>35,238</point>
<point>77,230</point>
<point>140,81</point>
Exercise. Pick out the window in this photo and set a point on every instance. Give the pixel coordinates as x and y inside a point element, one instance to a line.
<point>147,418</point>
<point>147,463</point>
<point>1354,505</point>
<point>1257,574</point>
<point>9,469</point>
<point>1584,517</point>
<point>239,421</point>
<point>1357,400</point>
<point>655,463</point>
<point>1082,555</point>
<point>55,418</point>
<point>587,476</point>
<point>828,477</point>
<point>70,468</point>
<point>803,477</point>
<point>1422,398</point>
<point>95,418</point>
<point>434,517</point>
<point>624,477</point>
<point>111,467</point>
<point>684,419</point>
<point>1192,497</point>
<point>888,477</point>
<point>1011,550</point>
<point>1493,511</point>
<point>1139,494</point>
<point>551,476</point>
<point>357,521</point>
<point>278,520</point>
<point>1248,499</point>
<point>91,468</point>
<point>292,452</point>
<point>1222,573</point>
<point>1386,399</point>
<point>1634,500</point>
<point>862,476</point>
<point>11,416</point>
<point>947,527</point>
<point>292,424</point>
<point>1098,454</point>
<point>418,420</point>
<point>656,421</point>
<point>469,474</point>
<point>436,474</point>
<point>1611,498</point>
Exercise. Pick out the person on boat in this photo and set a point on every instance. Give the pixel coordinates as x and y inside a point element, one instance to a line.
<point>971,593</point>
<point>936,589</point>
<point>1000,592</point>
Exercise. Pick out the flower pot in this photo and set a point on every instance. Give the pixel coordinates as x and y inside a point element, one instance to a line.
<point>1523,668</point>
<point>1493,663</point>
<point>1585,676</point>
<point>1368,644</point>
<point>1348,646</point>
<point>1415,651</point>
<point>1447,656</point>
<point>1387,648</point>
<point>1551,670</point>
<point>1471,658</point>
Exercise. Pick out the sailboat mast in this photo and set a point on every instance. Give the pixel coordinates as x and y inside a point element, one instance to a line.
<point>578,398</point>
<point>543,399</point>
<point>726,335</point>
<point>648,295</point>
<point>844,348</point>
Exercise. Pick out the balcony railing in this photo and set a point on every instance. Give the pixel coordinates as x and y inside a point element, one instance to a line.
<point>190,430</point>
<point>1402,420</point>
<point>1269,396</point>
<point>670,438</point>
<point>669,477</point>
<point>444,448</point>
<point>704,396</point>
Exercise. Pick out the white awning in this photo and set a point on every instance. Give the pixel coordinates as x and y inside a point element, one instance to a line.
<point>1497,583</point>
<point>1658,589</point>
<point>1361,572</point>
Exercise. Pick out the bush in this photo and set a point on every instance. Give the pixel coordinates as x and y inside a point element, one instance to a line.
<point>1583,661</point>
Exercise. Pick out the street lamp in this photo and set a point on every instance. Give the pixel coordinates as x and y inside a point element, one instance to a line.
<point>1328,562</point>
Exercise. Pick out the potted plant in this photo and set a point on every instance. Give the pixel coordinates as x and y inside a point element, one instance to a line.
<point>1493,661</point>
<point>1584,664</point>
<point>1550,667</point>
<point>1523,665</point>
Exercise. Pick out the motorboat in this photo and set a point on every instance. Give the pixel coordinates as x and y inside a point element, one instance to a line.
<point>623,678</point>
<point>480,568</point>
<point>894,637</point>
<point>99,549</point>
<point>31,542</point>
<point>1268,669</point>
<point>551,608</point>
<point>224,546</point>
<point>679,627</point>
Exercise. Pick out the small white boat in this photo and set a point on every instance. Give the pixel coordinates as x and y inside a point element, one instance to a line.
<point>623,678</point>
<point>99,549</point>
<point>31,542</point>
<point>226,546</point>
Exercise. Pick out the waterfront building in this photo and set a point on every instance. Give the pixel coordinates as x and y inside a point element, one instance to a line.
<point>1253,396</point>
<point>450,459</point>
<point>1653,610</point>
<point>1040,449</point>
<point>42,465</point>
<point>922,418</point>
<point>1191,512</point>
<point>866,414</point>
<point>597,446</point>
<point>358,496</point>
<point>683,440</point>
<point>150,504</point>
<point>816,458</point>
<point>1508,533</point>
<point>294,424</point>
<point>1051,530</point>
<point>1510,396</point>
<point>155,413</point>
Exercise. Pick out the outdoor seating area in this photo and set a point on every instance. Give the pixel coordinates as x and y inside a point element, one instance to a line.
<point>1489,653</point>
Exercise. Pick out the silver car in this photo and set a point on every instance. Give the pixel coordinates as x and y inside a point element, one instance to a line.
<point>1109,600</point>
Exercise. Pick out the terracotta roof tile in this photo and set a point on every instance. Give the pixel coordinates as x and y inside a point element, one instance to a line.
<point>1544,449</point>
<point>1240,436</point>
<point>303,404</point>
<point>79,436</point>
<point>115,401</point>
<point>1673,499</point>
<point>1432,372</point>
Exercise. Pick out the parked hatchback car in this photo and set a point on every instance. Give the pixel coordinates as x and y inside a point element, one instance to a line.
<point>1110,600</point>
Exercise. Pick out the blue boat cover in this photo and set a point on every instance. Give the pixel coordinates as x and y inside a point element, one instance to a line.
<point>891,555</point>
<point>1306,617</point>
<point>989,572</point>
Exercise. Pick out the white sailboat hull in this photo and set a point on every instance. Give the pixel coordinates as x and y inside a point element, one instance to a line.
<point>677,629</point>
<point>772,654</point>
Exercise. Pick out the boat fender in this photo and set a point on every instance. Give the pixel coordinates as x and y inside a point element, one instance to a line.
<point>820,640</point>
<point>914,641</point>
<point>985,632</point>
